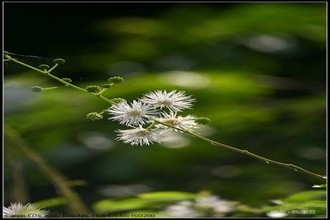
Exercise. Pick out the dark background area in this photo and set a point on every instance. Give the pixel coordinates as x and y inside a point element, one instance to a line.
<point>258,71</point>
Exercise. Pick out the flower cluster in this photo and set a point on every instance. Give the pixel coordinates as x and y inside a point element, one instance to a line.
<point>153,116</point>
<point>202,206</point>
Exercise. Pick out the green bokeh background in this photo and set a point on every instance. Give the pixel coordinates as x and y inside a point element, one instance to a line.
<point>257,70</point>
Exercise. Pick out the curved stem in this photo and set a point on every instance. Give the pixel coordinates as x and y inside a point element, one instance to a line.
<point>268,161</point>
<point>56,178</point>
<point>48,73</point>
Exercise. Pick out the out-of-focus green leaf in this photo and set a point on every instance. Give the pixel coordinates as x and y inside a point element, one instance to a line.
<point>307,196</point>
<point>144,201</point>
<point>52,202</point>
<point>166,196</point>
<point>109,206</point>
<point>303,204</point>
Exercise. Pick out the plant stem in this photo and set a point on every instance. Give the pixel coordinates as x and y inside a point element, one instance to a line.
<point>9,58</point>
<point>268,161</point>
<point>48,73</point>
<point>19,192</point>
<point>56,178</point>
<point>51,69</point>
<point>50,88</point>
<point>102,91</point>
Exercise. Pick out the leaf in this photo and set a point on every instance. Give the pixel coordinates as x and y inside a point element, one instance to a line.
<point>144,201</point>
<point>167,196</point>
<point>307,196</point>
<point>303,204</point>
<point>52,202</point>
<point>109,206</point>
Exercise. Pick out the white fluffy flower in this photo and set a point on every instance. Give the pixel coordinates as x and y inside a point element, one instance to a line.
<point>174,101</point>
<point>185,123</point>
<point>182,209</point>
<point>277,214</point>
<point>219,206</point>
<point>135,114</point>
<point>27,211</point>
<point>139,136</point>
<point>203,206</point>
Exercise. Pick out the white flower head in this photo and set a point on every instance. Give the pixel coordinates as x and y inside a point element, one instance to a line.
<point>139,136</point>
<point>27,211</point>
<point>171,119</point>
<point>219,206</point>
<point>205,206</point>
<point>135,114</point>
<point>277,214</point>
<point>182,209</point>
<point>174,101</point>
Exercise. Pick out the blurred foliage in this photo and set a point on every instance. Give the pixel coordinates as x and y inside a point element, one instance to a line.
<point>308,204</point>
<point>257,70</point>
<point>146,201</point>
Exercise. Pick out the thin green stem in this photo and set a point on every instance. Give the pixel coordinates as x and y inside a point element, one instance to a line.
<point>106,99</point>
<point>102,91</point>
<point>9,58</point>
<point>102,112</point>
<point>50,88</point>
<point>64,82</point>
<point>56,178</point>
<point>48,73</point>
<point>51,69</point>
<point>151,125</point>
<point>268,161</point>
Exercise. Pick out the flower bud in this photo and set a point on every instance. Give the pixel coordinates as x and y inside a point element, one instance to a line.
<point>67,80</point>
<point>93,89</point>
<point>94,116</point>
<point>59,61</point>
<point>117,100</point>
<point>44,67</point>
<point>36,89</point>
<point>116,79</point>
<point>106,86</point>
